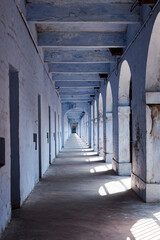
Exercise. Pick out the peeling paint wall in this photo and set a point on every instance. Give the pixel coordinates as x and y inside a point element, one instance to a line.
<point>153,143</point>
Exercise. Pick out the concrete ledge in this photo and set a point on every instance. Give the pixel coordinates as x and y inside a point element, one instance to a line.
<point>122,169</point>
<point>149,192</point>
<point>152,97</point>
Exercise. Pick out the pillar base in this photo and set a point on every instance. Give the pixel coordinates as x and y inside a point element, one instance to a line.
<point>95,148</point>
<point>149,192</point>
<point>121,168</point>
<point>108,158</point>
<point>101,153</point>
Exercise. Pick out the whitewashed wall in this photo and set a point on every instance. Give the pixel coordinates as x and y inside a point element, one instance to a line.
<point>17,50</point>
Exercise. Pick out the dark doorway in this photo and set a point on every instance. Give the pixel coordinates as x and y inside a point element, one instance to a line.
<point>39,136</point>
<point>74,130</point>
<point>49,116</point>
<point>14,137</point>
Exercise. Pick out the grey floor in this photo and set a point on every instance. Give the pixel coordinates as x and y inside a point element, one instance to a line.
<point>80,198</point>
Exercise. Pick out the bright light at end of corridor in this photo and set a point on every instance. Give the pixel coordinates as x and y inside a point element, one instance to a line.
<point>115,187</point>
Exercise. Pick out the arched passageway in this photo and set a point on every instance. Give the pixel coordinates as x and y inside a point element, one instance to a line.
<point>123,165</point>
<point>85,127</point>
<point>73,121</point>
<point>95,125</point>
<point>92,125</point>
<point>109,124</point>
<point>100,125</point>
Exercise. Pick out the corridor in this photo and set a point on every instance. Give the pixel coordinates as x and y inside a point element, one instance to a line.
<point>81,198</point>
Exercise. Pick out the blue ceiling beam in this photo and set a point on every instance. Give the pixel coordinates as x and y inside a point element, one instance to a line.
<point>76,77</point>
<point>64,84</point>
<point>79,55</point>
<point>75,112</point>
<point>75,90</point>
<point>85,100</point>
<point>74,115</point>
<point>65,92</point>
<point>103,39</point>
<point>81,27</point>
<point>76,99</point>
<point>72,118</point>
<point>74,96</point>
<point>108,12</point>
<point>79,68</point>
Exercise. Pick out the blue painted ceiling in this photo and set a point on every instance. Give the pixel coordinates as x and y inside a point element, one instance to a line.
<point>76,37</point>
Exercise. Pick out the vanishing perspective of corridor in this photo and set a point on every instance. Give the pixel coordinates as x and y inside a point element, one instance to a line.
<point>79,119</point>
<point>81,198</point>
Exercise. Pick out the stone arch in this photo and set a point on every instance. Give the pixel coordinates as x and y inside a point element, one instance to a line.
<point>122,165</point>
<point>68,122</point>
<point>92,127</point>
<point>109,124</point>
<point>95,109</point>
<point>95,126</point>
<point>124,84</point>
<point>109,99</point>
<point>68,107</point>
<point>100,104</point>
<point>153,59</point>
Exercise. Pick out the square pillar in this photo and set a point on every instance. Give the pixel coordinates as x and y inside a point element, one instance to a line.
<point>109,138</point>
<point>122,165</point>
<point>148,188</point>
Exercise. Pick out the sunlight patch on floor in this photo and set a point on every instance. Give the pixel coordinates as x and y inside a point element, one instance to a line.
<point>115,187</point>
<point>101,168</point>
<point>95,159</point>
<point>90,154</point>
<point>146,229</point>
<point>87,149</point>
<point>157,215</point>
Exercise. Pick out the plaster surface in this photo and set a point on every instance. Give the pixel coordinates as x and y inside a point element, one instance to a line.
<point>109,137</point>
<point>18,52</point>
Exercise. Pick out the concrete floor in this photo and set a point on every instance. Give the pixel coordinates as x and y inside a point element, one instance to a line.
<point>80,198</point>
